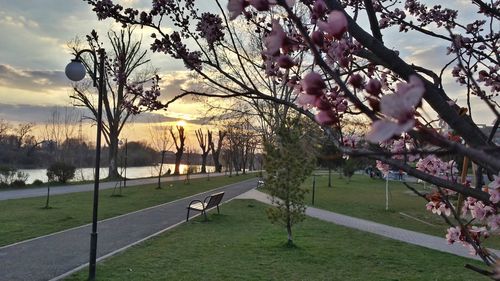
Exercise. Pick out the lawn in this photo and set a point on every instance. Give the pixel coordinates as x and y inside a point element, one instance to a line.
<point>241,244</point>
<point>364,197</point>
<point>22,219</point>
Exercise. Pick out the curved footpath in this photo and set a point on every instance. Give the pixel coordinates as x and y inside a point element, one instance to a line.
<point>55,256</point>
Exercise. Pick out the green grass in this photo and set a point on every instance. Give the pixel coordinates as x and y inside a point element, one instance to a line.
<point>22,219</point>
<point>363,197</point>
<point>240,244</point>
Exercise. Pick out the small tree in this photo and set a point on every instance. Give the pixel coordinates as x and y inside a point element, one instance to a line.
<point>60,171</point>
<point>288,163</point>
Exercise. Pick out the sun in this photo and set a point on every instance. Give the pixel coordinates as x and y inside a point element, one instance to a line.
<point>181,123</point>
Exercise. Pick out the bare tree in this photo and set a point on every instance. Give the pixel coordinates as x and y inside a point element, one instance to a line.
<point>124,71</point>
<point>22,132</point>
<point>205,149</point>
<point>216,148</point>
<point>5,127</point>
<point>179,141</point>
<point>160,140</point>
<point>60,127</point>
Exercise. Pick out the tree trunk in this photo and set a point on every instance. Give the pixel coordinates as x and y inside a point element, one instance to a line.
<point>113,157</point>
<point>178,157</point>
<point>289,232</point>
<point>204,163</point>
<point>218,166</point>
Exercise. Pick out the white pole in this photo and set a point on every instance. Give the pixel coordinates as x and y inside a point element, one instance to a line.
<point>387,192</point>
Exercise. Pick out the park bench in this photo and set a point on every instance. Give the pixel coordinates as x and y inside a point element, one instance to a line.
<point>202,206</point>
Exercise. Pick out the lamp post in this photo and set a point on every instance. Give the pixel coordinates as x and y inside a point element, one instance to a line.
<point>75,71</point>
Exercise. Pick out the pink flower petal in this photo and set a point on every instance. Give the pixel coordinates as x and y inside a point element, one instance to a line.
<point>382,130</point>
<point>313,84</point>
<point>336,24</point>
<point>235,8</point>
<point>275,39</point>
<point>306,101</point>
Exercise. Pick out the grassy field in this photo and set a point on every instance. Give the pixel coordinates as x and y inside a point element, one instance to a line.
<point>241,244</point>
<point>363,197</point>
<point>22,219</point>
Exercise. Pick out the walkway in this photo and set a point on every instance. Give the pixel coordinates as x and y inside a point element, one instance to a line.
<point>411,237</point>
<point>57,255</point>
<point>51,256</point>
<point>42,191</point>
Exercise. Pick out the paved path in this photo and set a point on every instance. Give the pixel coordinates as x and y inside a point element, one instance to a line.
<point>42,191</point>
<point>411,237</point>
<point>54,255</point>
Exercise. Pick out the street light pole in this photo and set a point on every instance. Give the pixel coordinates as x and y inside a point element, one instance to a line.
<point>76,72</point>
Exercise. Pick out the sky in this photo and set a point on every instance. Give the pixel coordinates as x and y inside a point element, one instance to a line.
<point>34,53</point>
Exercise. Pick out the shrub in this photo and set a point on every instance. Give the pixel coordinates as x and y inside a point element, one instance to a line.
<point>7,175</point>
<point>10,176</point>
<point>37,182</point>
<point>61,172</point>
<point>18,183</point>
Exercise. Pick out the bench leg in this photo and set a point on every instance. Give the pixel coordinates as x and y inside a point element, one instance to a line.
<point>187,218</point>
<point>205,213</point>
<point>218,212</point>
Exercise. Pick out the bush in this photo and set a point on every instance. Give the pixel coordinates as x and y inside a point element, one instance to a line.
<point>18,183</point>
<point>7,175</point>
<point>37,182</point>
<point>61,172</point>
<point>10,176</point>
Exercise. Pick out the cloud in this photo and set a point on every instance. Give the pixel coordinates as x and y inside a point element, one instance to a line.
<point>32,113</point>
<point>40,114</point>
<point>33,80</point>
<point>172,83</point>
<point>432,57</point>
<point>16,21</point>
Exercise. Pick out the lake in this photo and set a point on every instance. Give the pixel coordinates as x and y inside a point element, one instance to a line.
<point>132,172</point>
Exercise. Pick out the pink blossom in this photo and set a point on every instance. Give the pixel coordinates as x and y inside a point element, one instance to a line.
<point>326,117</point>
<point>285,61</point>
<point>318,10</point>
<point>373,87</point>
<point>356,81</point>
<point>495,184</point>
<point>318,38</point>
<point>453,234</point>
<point>260,5</point>
<point>275,40</point>
<point>313,84</point>
<point>336,24</point>
<point>351,140</point>
<point>438,208</point>
<point>399,109</point>
<point>236,7</point>
<point>382,130</point>
<point>481,211</point>
<point>494,222</point>
<point>404,102</point>
<point>494,195</point>
<point>306,101</point>
<point>384,168</point>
